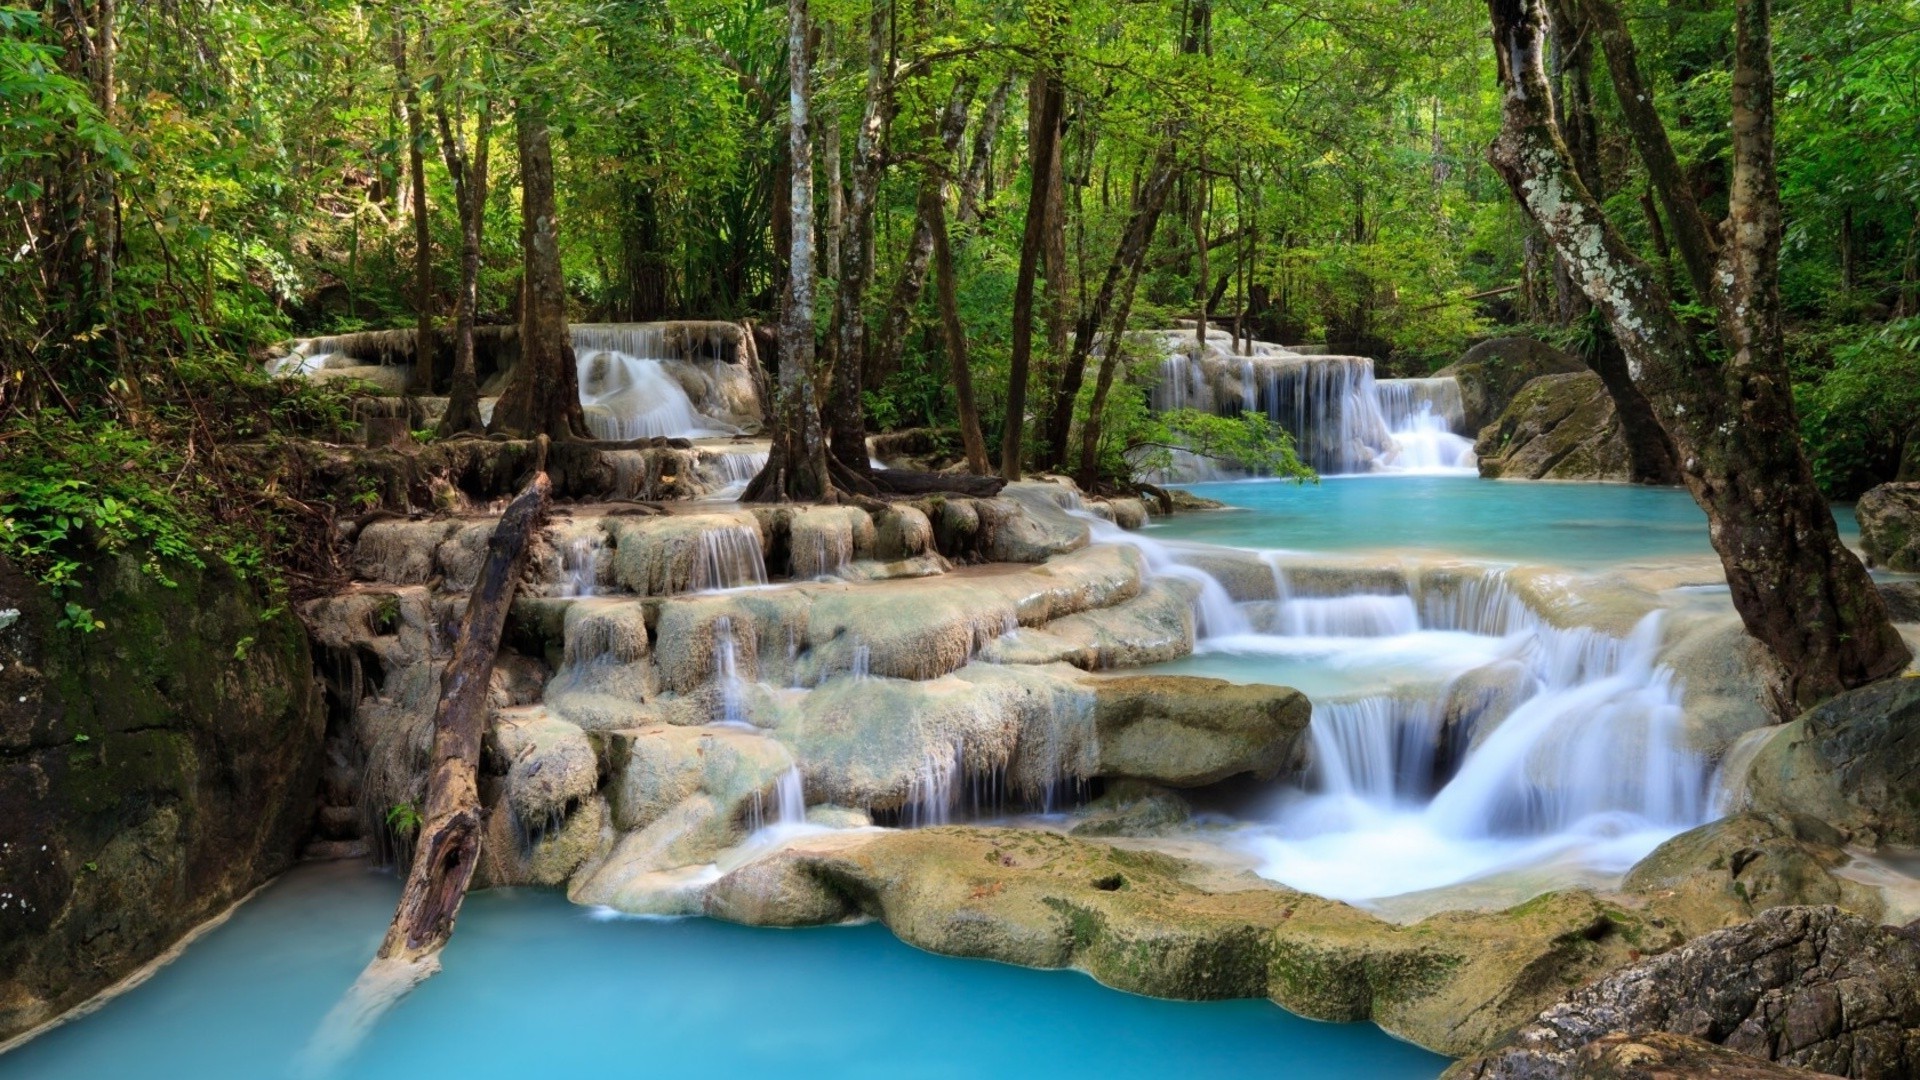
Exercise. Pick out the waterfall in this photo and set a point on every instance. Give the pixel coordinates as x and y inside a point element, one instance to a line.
<point>727,558</point>
<point>579,565</point>
<point>1361,615</point>
<point>640,380</point>
<point>1342,419</point>
<point>1379,749</point>
<point>729,472</point>
<point>862,666</point>
<point>930,793</point>
<point>788,806</point>
<point>820,552</point>
<point>726,673</point>
<point>1214,612</point>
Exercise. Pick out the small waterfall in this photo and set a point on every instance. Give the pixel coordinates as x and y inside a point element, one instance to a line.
<point>818,553</point>
<point>1214,612</point>
<point>726,673</point>
<point>579,565</point>
<point>788,806</point>
<point>1377,749</point>
<point>930,794</point>
<point>728,558</point>
<point>862,666</point>
<point>729,473</point>
<point>1362,615</point>
<point>1423,417</point>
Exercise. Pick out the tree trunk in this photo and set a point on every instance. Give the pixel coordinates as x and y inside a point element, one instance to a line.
<point>847,430</point>
<point>448,847</point>
<point>980,161</point>
<point>955,335</point>
<point>1122,270</point>
<point>470,191</point>
<point>797,464</point>
<point>883,359</point>
<point>1053,264</point>
<point>542,395</point>
<point>1040,155</point>
<point>1796,586</point>
<point>423,377</point>
<point>80,198</point>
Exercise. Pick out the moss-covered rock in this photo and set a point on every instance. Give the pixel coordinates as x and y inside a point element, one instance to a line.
<point>1158,925</point>
<point>1729,870</point>
<point>152,772</point>
<point>1492,372</point>
<point>1558,427</point>
<point>1890,526</point>
<point>1854,762</point>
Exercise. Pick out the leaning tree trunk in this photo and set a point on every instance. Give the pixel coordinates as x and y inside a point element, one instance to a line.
<point>797,462</point>
<point>1043,139</point>
<point>1796,586</point>
<point>542,396</point>
<point>883,358</point>
<point>448,848</point>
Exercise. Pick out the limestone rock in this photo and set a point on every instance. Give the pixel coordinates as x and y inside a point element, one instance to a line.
<point>1662,1055</point>
<point>1813,987</point>
<point>1132,809</point>
<point>1558,427</point>
<point>1853,761</point>
<point>1903,600</point>
<point>547,763</point>
<point>655,769</point>
<point>1493,371</point>
<point>1890,526</point>
<point>1729,870</point>
<point>152,772</point>
<point>1185,731</point>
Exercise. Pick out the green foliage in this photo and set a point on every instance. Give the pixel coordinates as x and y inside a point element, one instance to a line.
<point>1856,415</point>
<point>404,819</point>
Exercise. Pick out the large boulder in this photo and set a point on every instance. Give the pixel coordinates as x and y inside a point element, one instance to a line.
<point>1559,427</point>
<point>1729,870</point>
<point>1492,372</point>
<point>152,771</point>
<point>1854,761</point>
<point>1813,987</point>
<point>1890,526</point>
<point>1185,731</point>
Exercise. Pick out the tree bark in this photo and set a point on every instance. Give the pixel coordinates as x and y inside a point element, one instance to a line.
<point>542,395</point>
<point>1053,264</point>
<point>470,192</point>
<point>1040,154</point>
<point>797,463</point>
<point>448,847</point>
<point>423,377</point>
<point>955,335</point>
<point>847,429</point>
<point>980,161</point>
<point>1122,270</point>
<point>1796,586</point>
<point>883,358</point>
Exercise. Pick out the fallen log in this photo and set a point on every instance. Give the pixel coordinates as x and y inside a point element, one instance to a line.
<point>907,482</point>
<point>448,847</point>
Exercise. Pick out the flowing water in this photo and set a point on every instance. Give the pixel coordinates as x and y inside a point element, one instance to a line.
<point>635,379</point>
<point>535,987</point>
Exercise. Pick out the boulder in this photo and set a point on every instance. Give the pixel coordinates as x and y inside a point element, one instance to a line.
<point>1812,987</point>
<point>1890,526</point>
<point>1492,372</point>
<point>1662,1055</point>
<point>1185,731</point>
<point>1853,761</point>
<point>1558,427</point>
<point>1729,870</point>
<point>153,771</point>
<point>1902,599</point>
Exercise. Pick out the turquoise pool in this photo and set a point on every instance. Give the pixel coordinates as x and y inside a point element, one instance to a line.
<point>535,987</point>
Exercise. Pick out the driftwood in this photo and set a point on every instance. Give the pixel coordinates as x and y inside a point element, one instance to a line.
<point>449,844</point>
<point>448,847</point>
<point>907,482</point>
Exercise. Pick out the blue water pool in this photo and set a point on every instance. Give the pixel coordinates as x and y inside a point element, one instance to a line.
<point>535,987</point>
<point>1526,521</point>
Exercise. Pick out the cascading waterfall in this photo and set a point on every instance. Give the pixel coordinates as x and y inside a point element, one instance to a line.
<point>728,558</point>
<point>931,793</point>
<point>1589,765</point>
<point>1342,419</point>
<point>729,472</point>
<point>634,381</point>
<point>1214,612</point>
<point>579,565</point>
<point>787,808</point>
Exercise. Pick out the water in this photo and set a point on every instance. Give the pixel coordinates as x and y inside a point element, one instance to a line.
<point>728,558</point>
<point>534,987</point>
<point>1574,525</point>
<point>634,384</point>
<point>726,673</point>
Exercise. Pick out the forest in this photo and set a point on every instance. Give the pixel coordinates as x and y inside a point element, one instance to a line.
<point>189,183</point>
